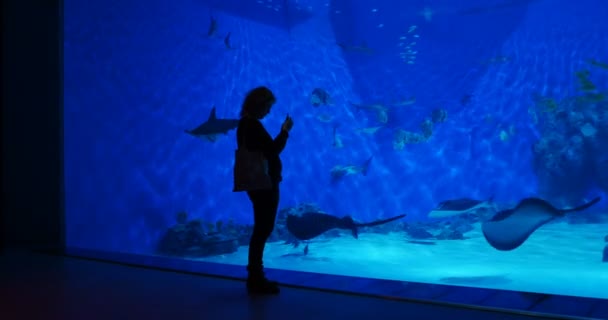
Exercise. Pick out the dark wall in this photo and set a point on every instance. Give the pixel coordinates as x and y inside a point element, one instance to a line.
<point>31,123</point>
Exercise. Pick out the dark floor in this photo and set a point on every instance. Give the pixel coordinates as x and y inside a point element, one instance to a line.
<point>39,286</point>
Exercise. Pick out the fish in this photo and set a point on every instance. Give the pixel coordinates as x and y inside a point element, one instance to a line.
<point>380,110</point>
<point>466,99</point>
<point>369,130</point>
<point>227,41</point>
<point>320,97</point>
<point>456,207</point>
<point>599,64</point>
<point>210,129</point>
<point>212,26</point>
<point>402,138</point>
<point>311,224</point>
<point>510,228</point>
<point>340,171</point>
<point>406,102</point>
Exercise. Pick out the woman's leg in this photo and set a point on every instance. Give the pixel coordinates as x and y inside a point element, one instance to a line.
<point>265,205</point>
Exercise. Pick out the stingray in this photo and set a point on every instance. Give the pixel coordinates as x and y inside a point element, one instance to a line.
<point>456,207</point>
<point>312,224</point>
<point>510,228</point>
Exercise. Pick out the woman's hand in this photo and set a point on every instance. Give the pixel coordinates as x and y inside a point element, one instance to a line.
<point>287,124</point>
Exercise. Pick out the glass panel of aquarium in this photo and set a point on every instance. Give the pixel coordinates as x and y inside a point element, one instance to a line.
<point>462,143</point>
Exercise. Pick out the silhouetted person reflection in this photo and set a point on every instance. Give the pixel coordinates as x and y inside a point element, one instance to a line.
<point>251,132</point>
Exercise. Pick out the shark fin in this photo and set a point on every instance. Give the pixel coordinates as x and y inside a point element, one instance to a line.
<point>212,115</point>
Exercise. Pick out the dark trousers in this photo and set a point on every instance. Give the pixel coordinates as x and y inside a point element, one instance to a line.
<point>265,205</point>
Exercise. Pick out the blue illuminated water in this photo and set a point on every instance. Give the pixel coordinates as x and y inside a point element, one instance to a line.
<point>137,73</point>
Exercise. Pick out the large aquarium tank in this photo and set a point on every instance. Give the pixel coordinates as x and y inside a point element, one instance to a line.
<point>481,126</point>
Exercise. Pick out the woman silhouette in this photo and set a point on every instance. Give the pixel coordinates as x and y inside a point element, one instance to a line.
<point>252,135</point>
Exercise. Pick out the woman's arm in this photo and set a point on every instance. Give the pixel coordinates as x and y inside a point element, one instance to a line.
<point>257,138</point>
<point>280,141</point>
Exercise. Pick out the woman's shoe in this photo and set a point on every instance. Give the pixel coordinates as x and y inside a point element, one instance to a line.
<point>262,286</point>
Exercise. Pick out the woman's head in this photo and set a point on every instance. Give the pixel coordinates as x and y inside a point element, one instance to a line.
<point>257,103</point>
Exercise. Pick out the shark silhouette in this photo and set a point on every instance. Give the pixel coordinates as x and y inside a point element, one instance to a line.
<point>312,224</point>
<point>210,129</point>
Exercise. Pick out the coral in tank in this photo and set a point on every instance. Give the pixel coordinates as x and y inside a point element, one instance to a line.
<point>570,155</point>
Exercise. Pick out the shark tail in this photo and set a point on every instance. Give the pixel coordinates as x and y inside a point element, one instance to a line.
<point>582,207</point>
<point>366,165</point>
<point>379,222</point>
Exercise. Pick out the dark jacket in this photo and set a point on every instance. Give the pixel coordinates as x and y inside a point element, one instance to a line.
<point>252,135</point>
